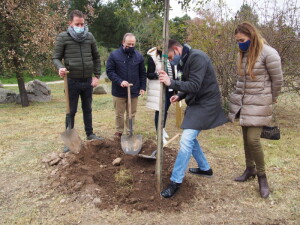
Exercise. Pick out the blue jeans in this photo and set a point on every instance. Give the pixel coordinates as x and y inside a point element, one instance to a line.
<point>188,146</point>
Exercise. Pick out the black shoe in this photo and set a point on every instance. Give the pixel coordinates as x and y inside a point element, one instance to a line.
<point>205,173</point>
<point>94,137</point>
<point>170,190</point>
<point>66,149</point>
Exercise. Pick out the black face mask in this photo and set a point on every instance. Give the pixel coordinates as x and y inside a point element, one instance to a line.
<point>129,50</point>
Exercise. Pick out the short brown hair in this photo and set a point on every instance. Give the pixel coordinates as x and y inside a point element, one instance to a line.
<point>76,13</point>
<point>173,43</point>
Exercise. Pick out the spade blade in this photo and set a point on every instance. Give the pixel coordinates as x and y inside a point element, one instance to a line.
<point>131,144</point>
<point>72,140</point>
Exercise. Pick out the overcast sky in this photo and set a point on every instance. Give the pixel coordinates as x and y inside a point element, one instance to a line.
<point>234,5</point>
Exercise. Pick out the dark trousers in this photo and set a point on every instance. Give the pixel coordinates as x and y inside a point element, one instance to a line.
<point>167,105</point>
<point>82,88</point>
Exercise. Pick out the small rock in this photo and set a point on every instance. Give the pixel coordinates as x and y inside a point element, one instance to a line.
<point>54,172</point>
<point>174,204</point>
<point>74,198</point>
<point>55,161</point>
<point>78,186</point>
<point>103,166</point>
<point>63,162</point>
<point>97,202</point>
<point>99,90</point>
<point>117,161</point>
<point>133,201</point>
<point>62,201</point>
<point>152,198</point>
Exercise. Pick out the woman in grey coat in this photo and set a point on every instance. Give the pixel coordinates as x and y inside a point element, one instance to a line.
<point>258,86</point>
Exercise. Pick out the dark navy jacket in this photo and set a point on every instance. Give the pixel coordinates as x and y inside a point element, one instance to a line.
<point>126,67</point>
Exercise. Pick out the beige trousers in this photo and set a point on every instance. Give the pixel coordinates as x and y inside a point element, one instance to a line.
<point>121,106</point>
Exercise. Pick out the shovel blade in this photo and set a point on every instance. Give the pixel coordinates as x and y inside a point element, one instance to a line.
<point>131,145</point>
<point>72,140</point>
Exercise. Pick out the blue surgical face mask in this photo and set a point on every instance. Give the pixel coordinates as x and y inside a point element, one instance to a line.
<point>176,60</point>
<point>78,29</point>
<point>245,46</point>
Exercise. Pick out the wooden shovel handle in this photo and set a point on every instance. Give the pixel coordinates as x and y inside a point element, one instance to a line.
<point>129,101</point>
<point>67,93</point>
<point>172,139</point>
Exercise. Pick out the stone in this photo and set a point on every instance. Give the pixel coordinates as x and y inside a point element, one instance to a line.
<point>7,96</point>
<point>54,172</point>
<point>117,162</point>
<point>100,90</point>
<point>97,202</point>
<point>55,161</point>
<point>38,91</point>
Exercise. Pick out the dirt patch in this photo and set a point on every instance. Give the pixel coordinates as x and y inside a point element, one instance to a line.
<point>90,175</point>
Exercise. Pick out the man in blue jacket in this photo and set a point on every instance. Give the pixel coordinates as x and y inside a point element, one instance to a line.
<point>126,66</point>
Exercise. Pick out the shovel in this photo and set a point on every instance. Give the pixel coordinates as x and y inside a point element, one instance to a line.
<point>131,144</point>
<point>153,155</point>
<point>70,137</point>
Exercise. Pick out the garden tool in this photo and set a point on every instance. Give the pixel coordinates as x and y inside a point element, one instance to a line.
<point>70,137</point>
<point>179,114</point>
<point>153,155</point>
<point>131,144</point>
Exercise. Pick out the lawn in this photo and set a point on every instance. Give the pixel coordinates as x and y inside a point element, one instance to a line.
<point>29,134</point>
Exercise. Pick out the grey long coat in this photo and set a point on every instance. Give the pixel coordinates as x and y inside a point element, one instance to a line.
<point>200,89</point>
<point>253,98</point>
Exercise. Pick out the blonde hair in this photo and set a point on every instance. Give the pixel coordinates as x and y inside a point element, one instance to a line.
<point>256,45</point>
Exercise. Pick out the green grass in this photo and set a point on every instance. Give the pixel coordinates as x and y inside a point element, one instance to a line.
<point>13,80</point>
<point>28,134</point>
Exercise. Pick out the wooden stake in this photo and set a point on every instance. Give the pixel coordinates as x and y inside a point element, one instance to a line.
<point>159,155</point>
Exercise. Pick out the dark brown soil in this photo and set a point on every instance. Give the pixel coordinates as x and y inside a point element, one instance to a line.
<point>91,172</point>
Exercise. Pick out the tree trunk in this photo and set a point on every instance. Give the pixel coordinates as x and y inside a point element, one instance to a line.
<point>159,154</point>
<point>21,84</point>
<point>22,90</point>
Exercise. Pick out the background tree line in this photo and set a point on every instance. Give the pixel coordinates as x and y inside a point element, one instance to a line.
<point>29,28</point>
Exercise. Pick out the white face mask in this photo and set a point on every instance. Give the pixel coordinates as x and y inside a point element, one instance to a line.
<point>78,29</point>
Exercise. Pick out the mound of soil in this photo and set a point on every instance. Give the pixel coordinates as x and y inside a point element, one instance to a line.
<point>130,186</point>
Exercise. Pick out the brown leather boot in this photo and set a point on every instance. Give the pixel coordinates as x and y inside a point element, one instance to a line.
<point>263,186</point>
<point>249,172</point>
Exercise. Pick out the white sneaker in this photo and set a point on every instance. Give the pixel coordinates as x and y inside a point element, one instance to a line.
<point>165,135</point>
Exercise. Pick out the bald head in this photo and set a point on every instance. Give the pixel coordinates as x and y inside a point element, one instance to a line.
<point>129,40</point>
